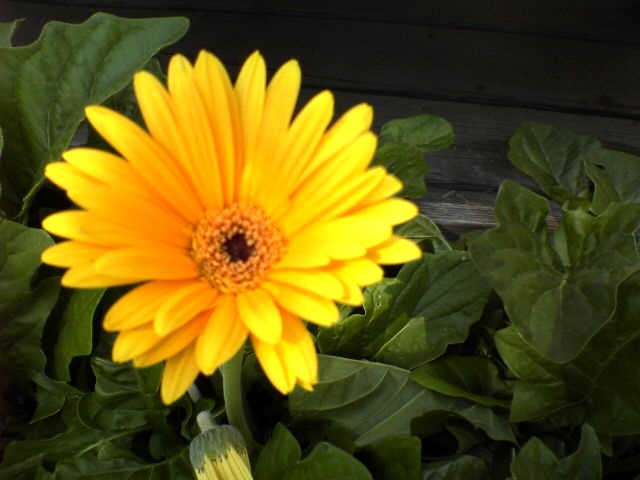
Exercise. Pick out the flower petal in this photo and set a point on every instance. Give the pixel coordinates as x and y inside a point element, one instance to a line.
<point>395,250</point>
<point>173,343</point>
<point>180,371</point>
<point>311,307</point>
<point>223,335</point>
<point>147,157</point>
<point>157,264</point>
<point>315,281</point>
<point>72,253</point>
<point>133,342</point>
<point>250,91</point>
<point>140,305</point>
<point>86,276</point>
<point>183,305</point>
<point>260,315</point>
<point>292,360</point>
<point>221,106</point>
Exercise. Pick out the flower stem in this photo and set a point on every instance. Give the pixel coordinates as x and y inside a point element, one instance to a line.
<point>233,398</point>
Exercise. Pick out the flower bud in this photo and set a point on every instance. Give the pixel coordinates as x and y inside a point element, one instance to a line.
<point>219,452</point>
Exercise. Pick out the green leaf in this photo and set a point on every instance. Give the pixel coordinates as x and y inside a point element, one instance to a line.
<point>46,85</point>
<point>588,388</point>
<point>123,395</point>
<point>425,233</point>
<point>475,378</point>
<point>553,157</point>
<point>557,296</point>
<point>406,162</point>
<point>24,303</point>
<point>375,401</point>
<point>411,320</point>
<point>616,178</point>
<point>280,460</point>
<point>6,32</point>
<point>464,467</point>
<point>75,337</point>
<point>427,132</point>
<point>535,460</point>
<point>394,458</point>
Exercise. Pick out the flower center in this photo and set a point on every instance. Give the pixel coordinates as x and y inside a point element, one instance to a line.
<point>235,247</point>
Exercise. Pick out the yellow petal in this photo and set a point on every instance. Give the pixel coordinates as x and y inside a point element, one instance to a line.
<point>140,305</point>
<point>302,140</point>
<point>330,200</point>
<point>314,281</point>
<point>133,342</point>
<point>172,344</point>
<point>86,276</point>
<point>183,305</point>
<point>250,91</point>
<point>260,315</point>
<point>180,371</point>
<point>343,133</point>
<point>273,365</point>
<point>292,360</point>
<point>280,101</point>
<point>303,257</point>
<point>147,157</point>
<point>67,176</point>
<point>362,270</point>
<point>198,153</point>
<point>71,254</point>
<point>157,264</point>
<point>298,351</point>
<point>222,109</point>
<point>316,309</point>
<point>111,170</point>
<point>393,211</point>
<point>395,250</point>
<point>137,215</point>
<point>223,335</point>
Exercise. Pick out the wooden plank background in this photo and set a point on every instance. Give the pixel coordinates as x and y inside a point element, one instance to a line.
<point>486,66</point>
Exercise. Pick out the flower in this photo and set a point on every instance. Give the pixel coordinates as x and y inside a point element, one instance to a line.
<point>234,219</point>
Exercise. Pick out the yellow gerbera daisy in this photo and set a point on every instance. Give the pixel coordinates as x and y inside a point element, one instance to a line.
<point>235,219</point>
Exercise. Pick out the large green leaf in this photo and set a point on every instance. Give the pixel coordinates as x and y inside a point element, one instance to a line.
<point>536,460</point>
<point>25,303</point>
<point>403,143</point>
<point>411,320</point>
<point>553,157</point>
<point>374,401</point>
<point>280,460</point>
<point>45,86</point>
<point>616,177</point>
<point>600,385</point>
<point>557,295</point>
<point>427,132</point>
